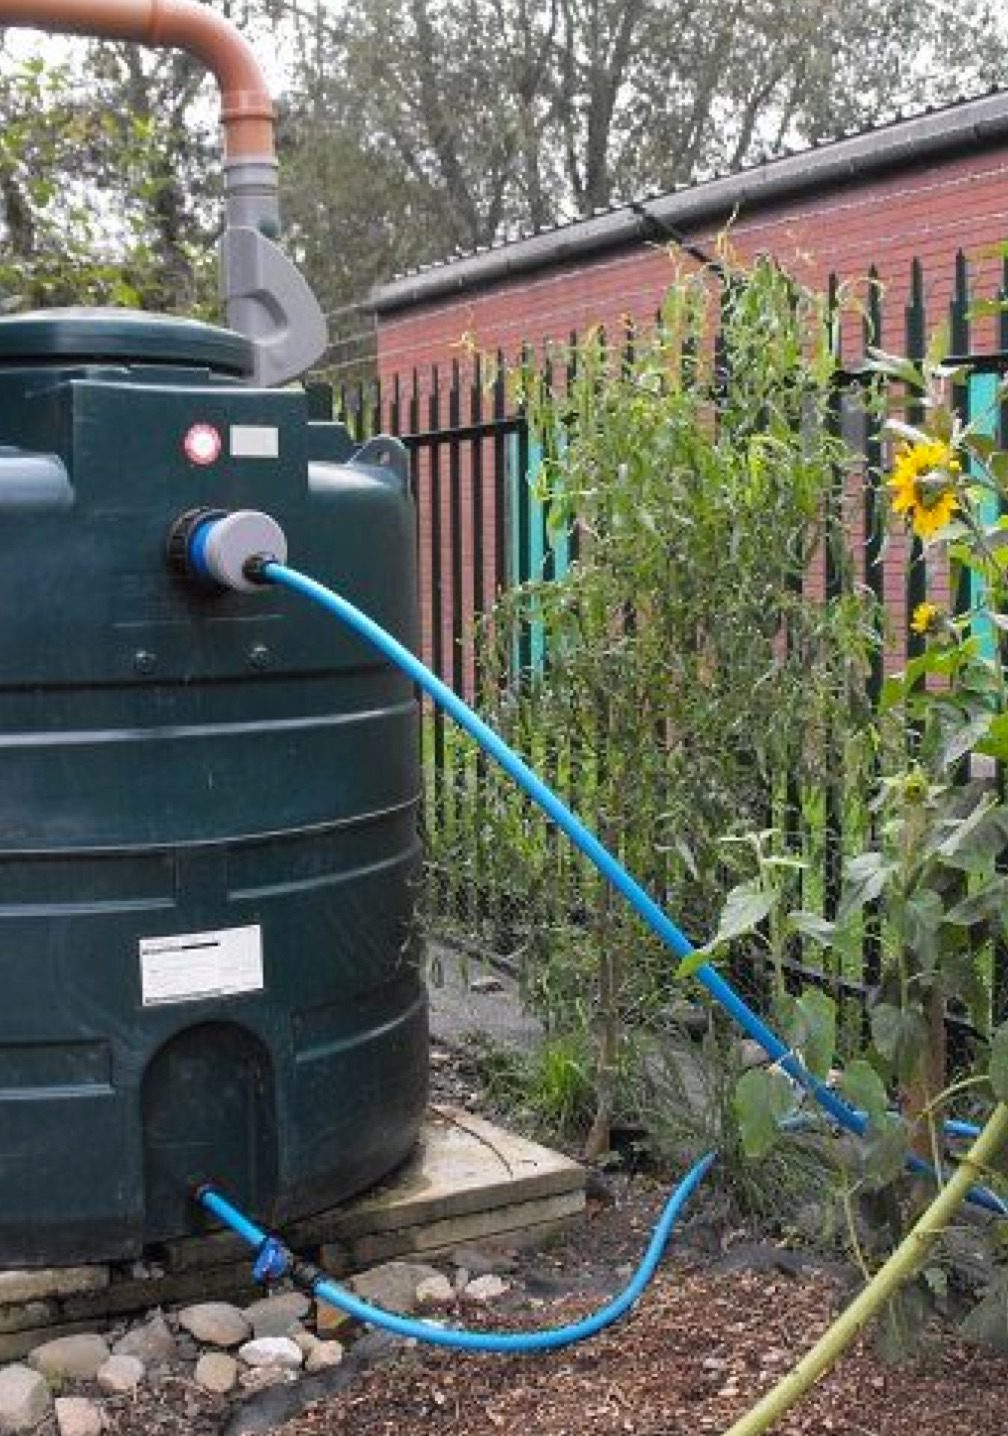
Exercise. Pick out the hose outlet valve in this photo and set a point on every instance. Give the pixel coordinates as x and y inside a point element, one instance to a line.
<point>225,550</point>
<point>272,1261</point>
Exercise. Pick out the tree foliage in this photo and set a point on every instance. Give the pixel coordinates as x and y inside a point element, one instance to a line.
<point>519,114</point>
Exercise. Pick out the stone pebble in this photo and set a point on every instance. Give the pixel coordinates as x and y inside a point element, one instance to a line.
<point>272,1351</point>
<point>217,1372</point>
<point>279,1315</point>
<point>323,1356</point>
<point>120,1375</point>
<point>485,1288</point>
<point>74,1358</point>
<point>25,1398</point>
<point>434,1291</point>
<point>77,1416</point>
<point>215,1323</point>
<point>150,1340</point>
<point>393,1286</point>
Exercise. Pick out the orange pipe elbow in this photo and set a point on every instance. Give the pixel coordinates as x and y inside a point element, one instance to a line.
<point>247,113</point>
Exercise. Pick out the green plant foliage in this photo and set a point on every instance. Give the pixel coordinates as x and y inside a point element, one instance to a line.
<point>687,1095</point>
<point>763,1099</point>
<point>809,1024</point>
<point>932,874</point>
<point>549,1089</point>
<point>999,1063</point>
<point>92,209</point>
<point>864,1089</point>
<point>684,669</point>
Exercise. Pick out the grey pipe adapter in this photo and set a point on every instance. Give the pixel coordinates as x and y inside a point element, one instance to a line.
<point>223,548</point>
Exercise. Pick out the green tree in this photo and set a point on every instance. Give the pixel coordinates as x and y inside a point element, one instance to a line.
<point>519,114</point>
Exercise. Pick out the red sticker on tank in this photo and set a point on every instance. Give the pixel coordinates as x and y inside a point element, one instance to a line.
<point>202,444</point>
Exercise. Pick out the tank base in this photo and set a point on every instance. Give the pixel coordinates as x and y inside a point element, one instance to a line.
<point>465,1180</point>
<point>347,1114</point>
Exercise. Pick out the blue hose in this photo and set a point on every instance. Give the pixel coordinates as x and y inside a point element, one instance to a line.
<point>610,868</point>
<point>511,1342</point>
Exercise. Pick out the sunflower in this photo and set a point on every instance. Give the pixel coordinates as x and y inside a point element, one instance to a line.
<point>926,618</point>
<point>923,485</point>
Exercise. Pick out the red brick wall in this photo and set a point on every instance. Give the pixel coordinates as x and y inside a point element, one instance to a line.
<point>959,204</point>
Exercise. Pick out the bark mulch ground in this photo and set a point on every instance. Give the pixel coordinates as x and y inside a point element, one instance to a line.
<point>701,1347</point>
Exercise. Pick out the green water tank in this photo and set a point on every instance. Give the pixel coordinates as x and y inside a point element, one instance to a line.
<point>208,843</point>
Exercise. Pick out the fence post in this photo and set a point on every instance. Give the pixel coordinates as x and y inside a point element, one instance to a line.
<point>875,535</point>
<point>319,399</point>
<point>437,613</point>
<point>457,775</point>
<point>915,336</point>
<point>999,976</point>
<point>833,584</point>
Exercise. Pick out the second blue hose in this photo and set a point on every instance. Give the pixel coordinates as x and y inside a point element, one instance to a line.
<point>514,1343</point>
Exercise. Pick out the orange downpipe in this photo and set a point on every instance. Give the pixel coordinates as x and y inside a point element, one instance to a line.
<point>247,113</point>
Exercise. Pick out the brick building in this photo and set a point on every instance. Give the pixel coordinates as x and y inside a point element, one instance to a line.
<point>923,188</point>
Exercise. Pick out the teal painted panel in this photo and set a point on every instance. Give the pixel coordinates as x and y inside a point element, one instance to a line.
<point>983,410</point>
<point>522,492</point>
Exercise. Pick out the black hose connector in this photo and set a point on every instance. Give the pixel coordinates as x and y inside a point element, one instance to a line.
<point>254,568</point>
<point>179,541</point>
<point>216,549</point>
<point>305,1274</point>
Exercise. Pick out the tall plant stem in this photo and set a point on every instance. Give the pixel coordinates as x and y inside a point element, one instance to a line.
<point>905,1261</point>
<point>599,1137</point>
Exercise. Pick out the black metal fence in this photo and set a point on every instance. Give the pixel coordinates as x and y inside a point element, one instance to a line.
<point>481,529</point>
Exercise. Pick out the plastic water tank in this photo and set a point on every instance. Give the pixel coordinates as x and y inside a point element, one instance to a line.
<point>207,801</point>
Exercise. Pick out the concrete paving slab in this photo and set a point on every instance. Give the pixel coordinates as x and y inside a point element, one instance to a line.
<point>428,1238</point>
<point>42,1282</point>
<point>461,1163</point>
<point>458,1011</point>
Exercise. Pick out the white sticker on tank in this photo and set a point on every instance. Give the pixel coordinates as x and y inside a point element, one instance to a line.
<point>190,966</point>
<point>255,441</point>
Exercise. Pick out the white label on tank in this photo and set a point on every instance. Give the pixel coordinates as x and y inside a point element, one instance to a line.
<point>194,965</point>
<point>255,441</point>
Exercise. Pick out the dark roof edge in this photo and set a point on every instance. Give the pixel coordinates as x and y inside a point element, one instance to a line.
<point>979,122</point>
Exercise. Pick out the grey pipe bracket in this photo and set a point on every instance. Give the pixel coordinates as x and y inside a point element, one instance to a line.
<point>267,299</point>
